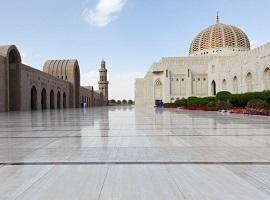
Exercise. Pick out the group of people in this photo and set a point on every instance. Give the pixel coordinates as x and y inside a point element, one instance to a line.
<point>159,104</point>
<point>83,105</point>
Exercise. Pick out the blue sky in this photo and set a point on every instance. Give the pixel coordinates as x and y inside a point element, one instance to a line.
<point>129,34</point>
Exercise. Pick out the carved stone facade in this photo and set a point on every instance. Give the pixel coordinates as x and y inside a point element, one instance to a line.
<point>207,70</point>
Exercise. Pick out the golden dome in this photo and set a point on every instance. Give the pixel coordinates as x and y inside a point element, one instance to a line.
<point>219,36</point>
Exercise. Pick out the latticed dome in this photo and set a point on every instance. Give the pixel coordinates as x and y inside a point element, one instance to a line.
<point>217,37</point>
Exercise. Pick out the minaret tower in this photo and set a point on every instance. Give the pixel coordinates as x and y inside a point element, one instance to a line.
<point>103,83</point>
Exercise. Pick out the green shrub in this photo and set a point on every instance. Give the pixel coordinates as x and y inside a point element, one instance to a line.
<point>223,95</point>
<point>224,105</point>
<point>169,104</point>
<point>196,101</point>
<point>257,104</point>
<point>241,100</point>
<point>237,100</point>
<point>181,102</point>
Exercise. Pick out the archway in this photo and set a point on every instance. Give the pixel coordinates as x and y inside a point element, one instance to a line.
<point>64,100</point>
<point>43,99</point>
<point>158,90</point>
<point>235,84</point>
<point>249,82</point>
<point>213,88</point>
<point>33,98</point>
<point>77,85</point>
<point>51,99</point>
<point>14,80</point>
<point>58,100</point>
<point>266,77</point>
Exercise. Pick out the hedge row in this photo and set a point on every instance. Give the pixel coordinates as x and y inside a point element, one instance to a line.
<point>195,101</point>
<point>236,100</point>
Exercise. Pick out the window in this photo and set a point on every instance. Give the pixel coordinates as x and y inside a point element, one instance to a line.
<point>224,85</point>
<point>249,82</point>
<point>213,69</point>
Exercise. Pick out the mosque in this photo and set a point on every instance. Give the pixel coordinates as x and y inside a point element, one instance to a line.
<point>220,59</point>
<point>56,87</point>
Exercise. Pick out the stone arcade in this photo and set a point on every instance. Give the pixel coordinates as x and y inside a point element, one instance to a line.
<point>58,86</point>
<point>220,59</point>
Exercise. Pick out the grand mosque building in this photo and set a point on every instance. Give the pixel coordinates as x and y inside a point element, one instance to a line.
<point>220,59</point>
<point>56,87</point>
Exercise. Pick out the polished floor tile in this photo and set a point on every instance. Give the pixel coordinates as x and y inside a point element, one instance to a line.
<point>133,153</point>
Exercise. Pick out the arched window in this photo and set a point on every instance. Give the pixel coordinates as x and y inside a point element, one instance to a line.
<point>235,84</point>
<point>213,69</point>
<point>249,82</point>
<point>224,85</point>
<point>266,78</point>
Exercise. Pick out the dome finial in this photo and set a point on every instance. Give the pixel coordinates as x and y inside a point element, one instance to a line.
<point>217,17</point>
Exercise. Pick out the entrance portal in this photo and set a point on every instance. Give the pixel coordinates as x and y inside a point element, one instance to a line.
<point>158,90</point>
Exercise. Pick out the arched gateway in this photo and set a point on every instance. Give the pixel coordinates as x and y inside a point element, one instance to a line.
<point>213,88</point>
<point>33,98</point>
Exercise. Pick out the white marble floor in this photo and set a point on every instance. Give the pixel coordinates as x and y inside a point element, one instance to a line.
<point>127,153</point>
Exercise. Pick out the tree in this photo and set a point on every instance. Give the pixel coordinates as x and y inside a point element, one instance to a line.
<point>119,102</point>
<point>124,102</point>
<point>130,102</point>
<point>112,102</point>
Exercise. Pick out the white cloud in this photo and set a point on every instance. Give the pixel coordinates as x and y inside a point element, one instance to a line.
<point>121,85</point>
<point>104,12</point>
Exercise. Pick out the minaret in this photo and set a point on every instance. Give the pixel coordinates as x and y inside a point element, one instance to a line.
<point>103,83</point>
<point>217,17</point>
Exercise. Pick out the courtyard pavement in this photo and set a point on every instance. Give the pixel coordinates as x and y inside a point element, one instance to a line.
<point>127,153</point>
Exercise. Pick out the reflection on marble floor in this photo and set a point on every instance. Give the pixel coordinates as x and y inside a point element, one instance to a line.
<point>128,153</point>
